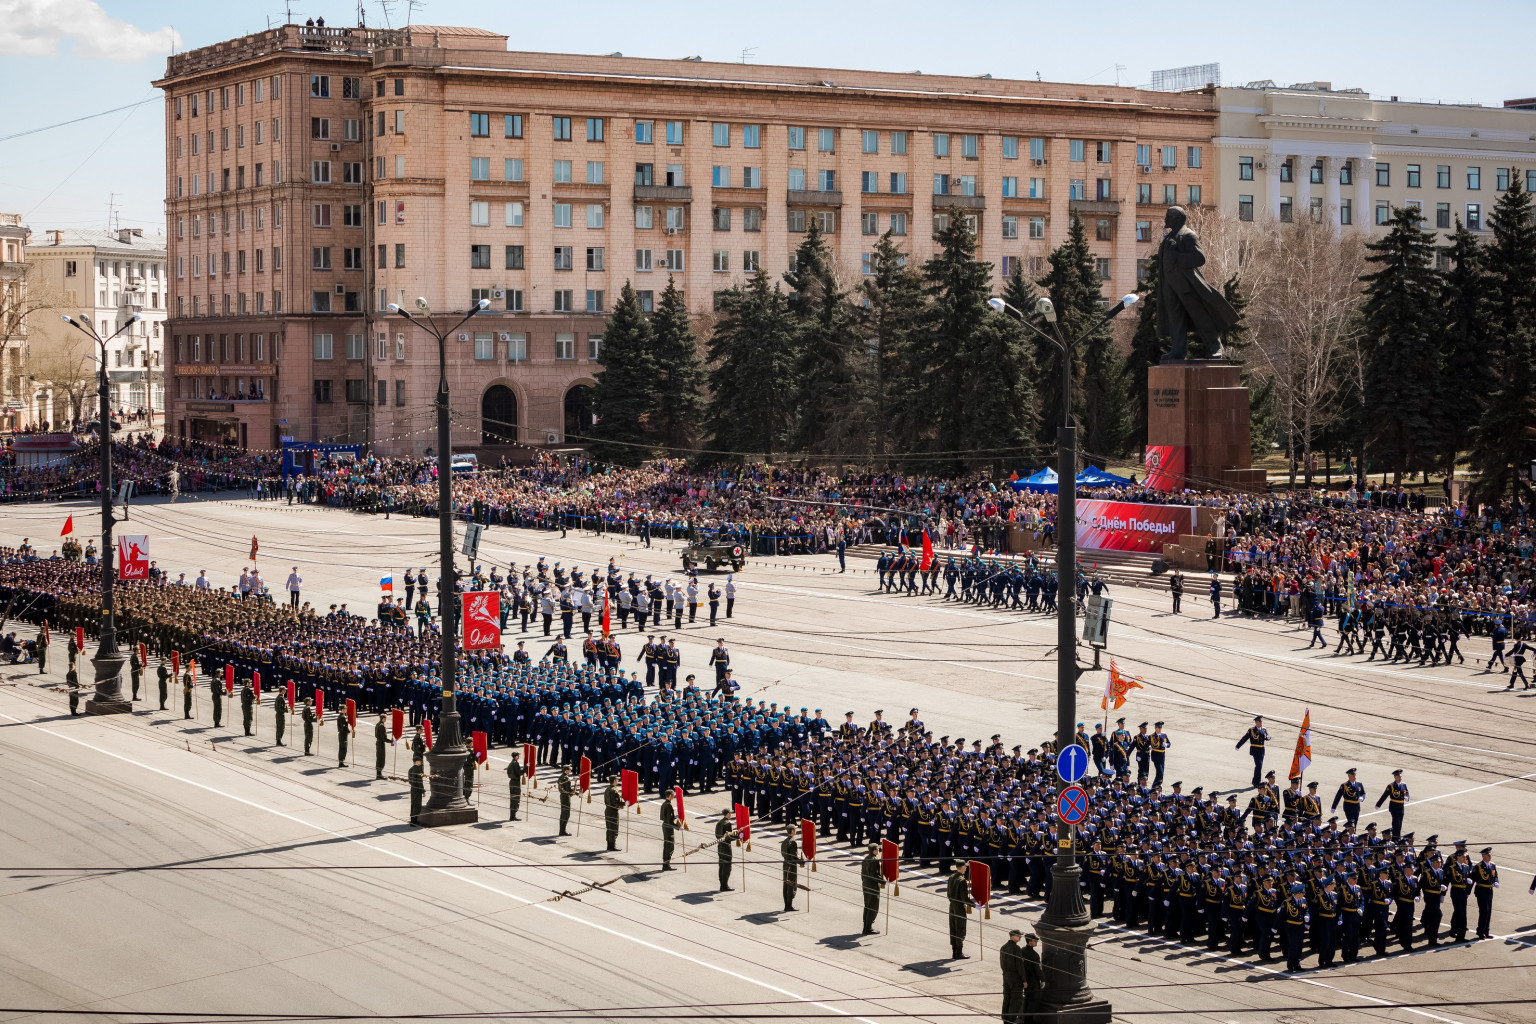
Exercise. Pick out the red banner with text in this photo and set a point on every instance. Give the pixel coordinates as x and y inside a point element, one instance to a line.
<point>1130,525</point>
<point>482,620</point>
<point>1167,466</point>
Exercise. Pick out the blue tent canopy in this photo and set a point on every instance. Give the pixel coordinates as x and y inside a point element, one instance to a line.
<point>1093,476</point>
<point>1045,481</point>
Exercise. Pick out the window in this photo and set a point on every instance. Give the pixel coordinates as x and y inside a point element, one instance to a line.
<point>826,140</point>
<point>795,221</point>
<point>1037,188</point>
<point>594,129</point>
<point>1193,192</point>
<point>870,223</point>
<point>594,302</point>
<point>1143,231</point>
<point>674,260</point>
<point>1346,212</point>
<point>514,300</point>
<point>562,215</point>
<point>898,183</point>
<point>1347,172</point>
<point>319,86</point>
<point>642,259</point>
<point>1383,212</point>
<point>644,174</point>
<point>1413,175</point>
<point>1010,147</point>
<point>1245,207</point>
<point>352,258</point>
<point>320,215</point>
<point>751,219</point>
<point>1010,187</point>
<point>512,126</point>
<point>512,170</point>
<point>1170,195</point>
<point>319,128</point>
<point>1103,268</point>
<point>941,184</point>
<point>565,344</point>
<point>1192,156</point>
<point>479,168</point>
<point>1474,217</point>
<point>355,347</point>
<point>320,172</point>
<point>1102,231</point>
<point>1010,227</point>
<point>721,134</point>
<point>485,345</point>
<point>1103,152</point>
<point>643,218</point>
<point>563,257</point>
<point>323,392</point>
<point>676,218</point>
<point>1443,176</point>
<point>1075,150</point>
<point>479,257</point>
<point>1383,174</point>
<point>357,391</point>
<point>517,348</point>
<point>594,258</point>
<point>514,257</point>
<point>351,216</point>
<point>1286,214</point>
<point>751,136</point>
<point>399,122</point>
<point>480,126</point>
<point>643,132</point>
<point>512,215</point>
<point>1442,215</point>
<point>826,220</point>
<point>720,177</point>
<point>1143,155</point>
<point>562,128</point>
<point>480,214</point>
<point>869,181</point>
<point>674,133</point>
<point>562,172</point>
<point>322,346</point>
<point>898,224</point>
<point>940,144</point>
<point>1143,192</point>
<point>722,261</point>
<point>722,218</point>
<point>594,215</point>
<point>1287,170</point>
<point>967,184</point>
<point>826,181</point>
<point>969,145</point>
<point>1075,189</point>
<point>1474,178</point>
<point>594,172</point>
<point>1245,168</point>
<point>399,255</point>
<point>674,175</point>
<point>1501,179</point>
<point>796,137</point>
<point>1315,173</point>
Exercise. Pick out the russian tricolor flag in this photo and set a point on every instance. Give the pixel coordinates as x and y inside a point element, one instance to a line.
<point>387,584</point>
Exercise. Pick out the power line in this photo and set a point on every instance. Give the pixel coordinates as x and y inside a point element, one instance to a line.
<point>77,120</point>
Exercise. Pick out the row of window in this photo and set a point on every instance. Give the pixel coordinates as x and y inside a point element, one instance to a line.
<point>215,263</point>
<point>117,268</point>
<point>258,135</point>
<point>258,218</point>
<point>239,303</point>
<point>352,174</point>
<point>225,348</point>
<point>1413,174</point>
<point>1381,213</point>
<point>258,92</point>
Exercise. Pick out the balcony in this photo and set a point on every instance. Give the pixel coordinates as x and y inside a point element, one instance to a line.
<point>664,193</point>
<point>946,202</point>
<point>814,197</point>
<point>1095,207</point>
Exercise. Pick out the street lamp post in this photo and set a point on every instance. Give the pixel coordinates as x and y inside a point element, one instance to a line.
<point>445,802</point>
<point>1066,925</point>
<point>108,663</point>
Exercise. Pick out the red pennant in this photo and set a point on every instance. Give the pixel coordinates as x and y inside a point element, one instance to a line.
<point>79,638</point>
<point>607,618</point>
<point>397,723</point>
<point>807,839</point>
<point>890,860</point>
<point>927,561</point>
<point>293,696</point>
<point>743,823</point>
<point>584,779</point>
<point>69,527</point>
<point>629,786</point>
<point>176,663</point>
<point>677,795</point>
<point>143,655</point>
<point>352,714</point>
<point>229,679</point>
<point>320,706</point>
<point>481,746</point>
<point>530,760</point>
<point>254,547</point>
<point>981,883</point>
<point>426,731</point>
<point>256,684</point>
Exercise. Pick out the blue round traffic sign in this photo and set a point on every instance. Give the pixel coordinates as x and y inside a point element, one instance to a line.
<point>1072,805</point>
<point>1072,763</point>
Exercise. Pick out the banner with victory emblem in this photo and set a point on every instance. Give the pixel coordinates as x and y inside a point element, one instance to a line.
<point>133,557</point>
<point>482,620</point>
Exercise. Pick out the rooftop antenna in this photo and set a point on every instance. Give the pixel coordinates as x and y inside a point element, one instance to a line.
<point>362,14</point>
<point>410,9</point>
<point>1118,68</point>
<point>747,52</point>
<point>111,208</point>
<point>387,8</point>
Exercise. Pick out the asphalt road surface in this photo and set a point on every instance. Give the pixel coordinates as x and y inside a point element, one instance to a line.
<point>369,916</point>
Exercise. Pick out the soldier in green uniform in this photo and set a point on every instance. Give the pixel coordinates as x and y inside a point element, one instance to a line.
<point>164,676</point>
<point>186,693</point>
<point>791,854</point>
<point>380,741</point>
<point>725,831</point>
<point>418,745</point>
<point>567,790</point>
<point>72,682</point>
<point>468,772</point>
<point>668,833</point>
<point>418,787</point>
<point>247,705</point>
<point>871,880</point>
<point>515,784</point>
<point>1011,959</point>
<point>611,804</point>
<point>958,890</point>
<point>309,725</point>
<point>42,651</point>
<point>279,715</point>
<point>1034,978</point>
<point>342,733</point>
<point>135,670</point>
<point>74,651</point>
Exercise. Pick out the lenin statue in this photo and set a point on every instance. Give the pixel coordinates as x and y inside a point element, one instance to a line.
<point>1186,302</point>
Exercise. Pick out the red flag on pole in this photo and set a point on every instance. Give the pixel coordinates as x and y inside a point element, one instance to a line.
<point>143,654</point>
<point>254,547</point>
<point>426,732</point>
<point>256,684</point>
<point>351,715</point>
<point>584,776</point>
<point>481,746</point>
<point>808,841</point>
<point>682,815</point>
<point>293,696</point>
<point>320,706</point>
<point>396,723</point>
<point>890,864</point>
<point>69,527</point>
<point>607,618</point>
<point>927,562</point>
<point>229,679</point>
<point>176,663</point>
<point>45,632</point>
<point>1303,756</point>
<point>629,787</point>
<point>79,638</point>
<point>981,884</point>
<point>743,824</point>
<point>530,760</point>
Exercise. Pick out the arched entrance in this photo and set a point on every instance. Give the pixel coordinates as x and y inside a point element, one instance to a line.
<point>578,412</point>
<point>498,415</point>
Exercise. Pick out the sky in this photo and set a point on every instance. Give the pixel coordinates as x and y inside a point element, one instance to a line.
<point>61,60</point>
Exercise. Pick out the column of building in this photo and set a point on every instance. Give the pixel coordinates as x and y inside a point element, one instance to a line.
<point>775,181</point>
<point>1058,185</point>
<point>989,185</point>
<point>1123,267</point>
<point>696,158</point>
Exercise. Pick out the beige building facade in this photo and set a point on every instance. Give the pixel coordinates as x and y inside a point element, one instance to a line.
<point>343,170</point>
<point>1346,157</point>
<point>17,395</point>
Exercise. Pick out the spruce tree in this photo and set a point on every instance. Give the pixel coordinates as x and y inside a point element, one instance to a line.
<point>1148,346</point>
<point>679,399</point>
<point>1501,444</point>
<point>751,372</point>
<point>895,308</point>
<point>831,358</point>
<point>1398,318</point>
<point>1466,345</point>
<point>625,395</point>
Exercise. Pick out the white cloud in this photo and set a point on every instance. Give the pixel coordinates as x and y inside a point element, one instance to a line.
<point>34,28</point>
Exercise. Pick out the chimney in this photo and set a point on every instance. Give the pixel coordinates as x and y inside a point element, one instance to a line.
<point>55,237</point>
<point>125,235</point>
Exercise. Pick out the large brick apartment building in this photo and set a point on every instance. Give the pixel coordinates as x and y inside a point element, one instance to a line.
<point>315,175</point>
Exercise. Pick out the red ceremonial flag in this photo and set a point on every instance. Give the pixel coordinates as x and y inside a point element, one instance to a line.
<point>351,715</point>
<point>69,527</point>
<point>1303,756</point>
<point>482,620</point>
<point>254,546</point>
<point>530,760</point>
<point>677,796</point>
<point>176,663</point>
<point>143,654</point>
<point>807,839</point>
<point>229,679</point>
<point>743,823</point>
<point>927,551</point>
<point>607,619</point>
<point>426,732</point>
<point>397,723</point>
<point>481,746</point>
<point>256,684</point>
<point>629,786</point>
<point>584,775</point>
<point>981,883</point>
<point>45,632</point>
<point>320,706</point>
<point>890,861</point>
<point>1117,686</point>
<point>293,696</point>
<point>79,638</point>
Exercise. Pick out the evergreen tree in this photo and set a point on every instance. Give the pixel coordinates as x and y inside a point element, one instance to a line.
<point>1466,347</point>
<point>895,310</point>
<point>1148,346</point>
<point>831,358</point>
<point>1502,442</point>
<point>625,395</point>
<point>751,374</point>
<point>1102,383</point>
<point>1398,317</point>
<point>679,399</point>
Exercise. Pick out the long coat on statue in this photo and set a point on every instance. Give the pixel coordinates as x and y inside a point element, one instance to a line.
<point>1187,304</point>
